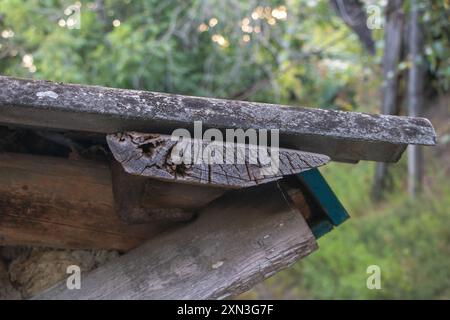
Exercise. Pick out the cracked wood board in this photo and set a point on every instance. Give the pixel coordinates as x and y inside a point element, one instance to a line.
<point>151,155</point>
<point>236,242</point>
<point>344,136</point>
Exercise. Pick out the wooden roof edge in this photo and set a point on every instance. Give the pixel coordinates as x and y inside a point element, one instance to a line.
<point>349,136</point>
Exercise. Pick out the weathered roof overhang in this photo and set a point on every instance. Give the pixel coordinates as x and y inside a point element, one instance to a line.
<point>344,136</point>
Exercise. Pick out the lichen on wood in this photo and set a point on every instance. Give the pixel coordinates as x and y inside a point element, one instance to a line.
<point>347,136</point>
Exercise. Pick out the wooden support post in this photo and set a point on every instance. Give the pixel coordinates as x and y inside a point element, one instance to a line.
<point>236,242</point>
<point>56,202</point>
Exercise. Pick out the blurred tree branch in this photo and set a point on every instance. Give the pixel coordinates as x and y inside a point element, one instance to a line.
<point>354,15</point>
<point>295,59</point>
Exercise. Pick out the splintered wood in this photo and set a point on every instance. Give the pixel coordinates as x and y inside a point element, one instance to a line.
<point>158,156</point>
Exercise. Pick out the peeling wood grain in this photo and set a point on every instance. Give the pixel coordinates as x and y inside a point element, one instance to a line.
<point>235,243</point>
<point>150,155</point>
<point>348,136</point>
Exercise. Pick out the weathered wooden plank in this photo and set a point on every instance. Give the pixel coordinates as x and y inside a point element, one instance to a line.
<point>140,199</point>
<point>56,202</point>
<point>236,242</point>
<point>151,155</point>
<point>348,136</point>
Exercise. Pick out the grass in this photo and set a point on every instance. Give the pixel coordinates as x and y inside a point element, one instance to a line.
<point>408,238</point>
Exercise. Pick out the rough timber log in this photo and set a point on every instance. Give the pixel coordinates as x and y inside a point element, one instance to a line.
<point>150,155</point>
<point>236,242</point>
<point>56,202</point>
<point>347,136</point>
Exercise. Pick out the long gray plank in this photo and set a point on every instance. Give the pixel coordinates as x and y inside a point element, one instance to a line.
<point>347,136</point>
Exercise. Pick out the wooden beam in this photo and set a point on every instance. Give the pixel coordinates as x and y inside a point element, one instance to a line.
<point>140,199</point>
<point>236,242</point>
<point>348,136</point>
<point>150,155</point>
<point>56,202</point>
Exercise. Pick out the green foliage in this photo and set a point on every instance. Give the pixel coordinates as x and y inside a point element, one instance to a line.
<point>408,239</point>
<point>161,46</point>
<point>310,58</point>
<point>351,184</point>
<point>437,42</point>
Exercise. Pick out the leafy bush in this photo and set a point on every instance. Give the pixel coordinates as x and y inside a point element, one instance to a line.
<point>408,239</point>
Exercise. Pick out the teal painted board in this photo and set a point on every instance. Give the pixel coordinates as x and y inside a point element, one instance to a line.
<point>321,228</point>
<point>320,189</point>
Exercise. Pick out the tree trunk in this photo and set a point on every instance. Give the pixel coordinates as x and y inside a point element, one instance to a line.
<point>415,94</point>
<point>355,17</point>
<point>392,51</point>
